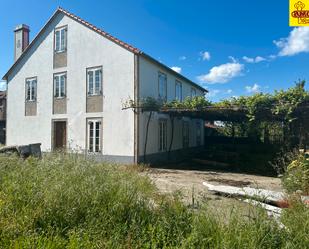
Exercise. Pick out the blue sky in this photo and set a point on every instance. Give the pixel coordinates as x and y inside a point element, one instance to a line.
<point>232,48</point>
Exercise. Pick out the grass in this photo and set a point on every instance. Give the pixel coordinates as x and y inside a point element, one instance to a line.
<point>64,201</point>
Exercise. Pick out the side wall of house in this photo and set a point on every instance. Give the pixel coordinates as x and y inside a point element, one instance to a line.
<point>85,48</point>
<point>148,87</point>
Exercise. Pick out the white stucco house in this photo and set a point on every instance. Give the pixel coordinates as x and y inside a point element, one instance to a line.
<point>66,89</point>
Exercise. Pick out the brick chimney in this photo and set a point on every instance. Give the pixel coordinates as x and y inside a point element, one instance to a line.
<point>21,39</point>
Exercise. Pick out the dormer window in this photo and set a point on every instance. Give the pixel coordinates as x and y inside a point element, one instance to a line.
<point>60,39</point>
<point>94,81</point>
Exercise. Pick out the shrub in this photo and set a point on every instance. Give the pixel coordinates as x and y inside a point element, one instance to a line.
<point>65,201</point>
<point>297,175</point>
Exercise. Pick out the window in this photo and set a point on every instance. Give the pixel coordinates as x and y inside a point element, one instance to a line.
<point>94,81</point>
<point>193,93</point>
<point>185,134</point>
<point>198,134</point>
<point>59,85</point>
<point>31,85</point>
<point>178,90</point>
<point>162,135</point>
<point>162,86</point>
<point>94,136</point>
<point>60,40</point>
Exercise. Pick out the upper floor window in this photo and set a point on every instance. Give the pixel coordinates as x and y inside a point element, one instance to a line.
<point>193,93</point>
<point>162,135</point>
<point>31,86</point>
<point>60,40</point>
<point>178,90</point>
<point>59,85</point>
<point>162,86</point>
<point>94,81</point>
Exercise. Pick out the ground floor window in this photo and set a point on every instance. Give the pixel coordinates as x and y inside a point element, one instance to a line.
<point>198,134</point>
<point>94,135</point>
<point>185,134</point>
<point>162,135</point>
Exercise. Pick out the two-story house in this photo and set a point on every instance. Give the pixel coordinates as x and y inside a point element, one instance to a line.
<point>67,87</point>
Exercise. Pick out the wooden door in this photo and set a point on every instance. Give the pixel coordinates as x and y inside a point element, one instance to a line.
<point>60,135</point>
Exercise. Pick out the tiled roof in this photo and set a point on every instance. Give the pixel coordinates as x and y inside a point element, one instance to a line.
<point>100,31</point>
<point>106,35</point>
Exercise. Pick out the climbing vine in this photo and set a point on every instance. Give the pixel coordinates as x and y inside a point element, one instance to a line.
<point>275,114</point>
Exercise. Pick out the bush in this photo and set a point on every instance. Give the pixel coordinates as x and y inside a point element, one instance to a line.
<point>297,175</point>
<point>65,201</point>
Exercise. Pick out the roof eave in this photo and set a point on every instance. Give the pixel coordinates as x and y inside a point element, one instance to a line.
<point>5,77</point>
<point>106,35</point>
<point>178,75</point>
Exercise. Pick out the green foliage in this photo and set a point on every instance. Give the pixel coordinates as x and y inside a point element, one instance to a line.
<point>271,117</point>
<point>282,103</point>
<point>297,175</point>
<point>194,103</point>
<point>65,201</point>
<point>287,101</point>
<point>152,104</point>
<point>296,220</point>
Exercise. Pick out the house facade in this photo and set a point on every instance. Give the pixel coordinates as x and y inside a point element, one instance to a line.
<point>66,89</point>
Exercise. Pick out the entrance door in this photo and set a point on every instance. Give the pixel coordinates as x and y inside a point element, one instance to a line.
<point>60,128</point>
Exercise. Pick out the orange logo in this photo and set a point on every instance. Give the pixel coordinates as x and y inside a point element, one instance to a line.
<point>299,15</point>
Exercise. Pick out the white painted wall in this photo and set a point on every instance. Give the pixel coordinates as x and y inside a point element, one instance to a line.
<point>85,49</point>
<point>148,77</point>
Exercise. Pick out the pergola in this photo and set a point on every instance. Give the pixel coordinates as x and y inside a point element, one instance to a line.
<point>233,114</point>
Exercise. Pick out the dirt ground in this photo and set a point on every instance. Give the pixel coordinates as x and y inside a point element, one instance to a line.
<point>188,183</point>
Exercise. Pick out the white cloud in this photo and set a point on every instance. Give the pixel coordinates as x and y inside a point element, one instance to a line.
<point>253,89</point>
<point>2,85</point>
<point>182,58</point>
<point>176,69</point>
<point>272,57</point>
<point>222,73</point>
<point>259,59</point>
<point>248,59</point>
<point>253,60</point>
<point>205,55</point>
<point>213,93</point>
<point>297,42</point>
<point>232,58</point>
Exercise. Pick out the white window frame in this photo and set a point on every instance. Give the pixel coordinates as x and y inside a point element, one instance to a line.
<point>193,92</point>
<point>92,146</point>
<point>178,90</point>
<point>162,86</point>
<point>162,135</point>
<point>94,89</point>
<point>31,89</point>
<point>58,83</point>
<point>185,134</point>
<point>63,34</point>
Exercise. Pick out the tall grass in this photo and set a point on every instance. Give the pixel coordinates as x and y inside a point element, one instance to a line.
<point>64,201</point>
